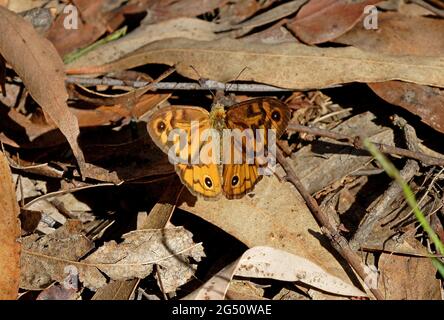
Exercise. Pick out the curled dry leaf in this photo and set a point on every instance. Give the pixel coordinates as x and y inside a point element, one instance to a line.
<point>41,69</point>
<point>325,20</point>
<point>294,66</point>
<point>9,233</point>
<point>134,258</point>
<point>272,263</point>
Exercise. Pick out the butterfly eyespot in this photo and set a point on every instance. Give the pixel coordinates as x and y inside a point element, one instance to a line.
<point>234,181</point>
<point>208,182</point>
<point>161,126</point>
<point>276,115</point>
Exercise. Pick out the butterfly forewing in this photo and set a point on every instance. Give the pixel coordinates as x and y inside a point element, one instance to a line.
<point>266,113</point>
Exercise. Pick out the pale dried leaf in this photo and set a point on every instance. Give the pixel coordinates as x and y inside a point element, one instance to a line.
<point>44,258</point>
<point>272,263</point>
<point>134,258</point>
<point>41,69</point>
<point>293,66</point>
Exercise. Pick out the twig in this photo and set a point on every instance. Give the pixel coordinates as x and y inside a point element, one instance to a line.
<point>330,231</point>
<point>206,85</point>
<point>357,142</point>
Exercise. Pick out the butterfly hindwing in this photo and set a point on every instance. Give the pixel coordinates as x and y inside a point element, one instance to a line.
<point>201,179</point>
<point>239,179</point>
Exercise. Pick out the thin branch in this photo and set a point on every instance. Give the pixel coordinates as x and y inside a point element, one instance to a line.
<point>357,142</point>
<point>330,231</point>
<point>206,85</point>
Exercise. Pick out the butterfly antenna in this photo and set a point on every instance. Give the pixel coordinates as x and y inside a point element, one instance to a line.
<point>202,81</point>
<point>237,77</point>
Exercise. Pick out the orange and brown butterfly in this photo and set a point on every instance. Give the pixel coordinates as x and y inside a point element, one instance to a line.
<point>210,180</point>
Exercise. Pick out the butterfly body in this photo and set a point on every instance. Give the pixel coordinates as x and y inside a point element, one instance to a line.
<point>215,178</point>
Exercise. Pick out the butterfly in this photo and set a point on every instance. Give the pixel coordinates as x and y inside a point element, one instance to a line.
<point>210,179</point>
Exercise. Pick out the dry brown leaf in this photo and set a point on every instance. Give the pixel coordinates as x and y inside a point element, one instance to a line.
<point>189,28</point>
<point>399,35</point>
<point>423,101</point>
<point>44,258</point>
<point>41,69</point>
<point>135,256</point>
<point>324,20</point>
<point>267,262</point>
<point>269,218</point>
<point>236,11</point>
<point>294,65</point>
<point>9,234</point>
<point>411,278</point>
